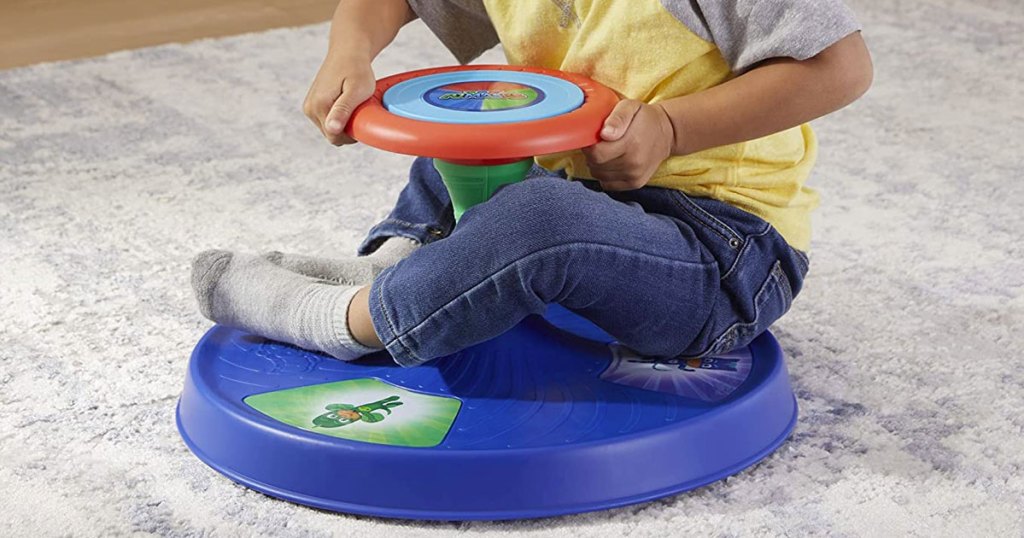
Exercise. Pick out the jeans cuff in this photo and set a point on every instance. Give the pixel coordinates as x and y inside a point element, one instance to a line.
<point>421,233</point>
<point>385,326</point>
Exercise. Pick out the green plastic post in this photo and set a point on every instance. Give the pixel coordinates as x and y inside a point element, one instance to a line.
<point>469,185</point>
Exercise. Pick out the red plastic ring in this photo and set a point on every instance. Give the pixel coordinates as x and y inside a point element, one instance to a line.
<point>373,125</point>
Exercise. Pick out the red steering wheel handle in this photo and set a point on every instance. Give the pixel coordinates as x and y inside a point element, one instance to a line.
<point>372,124</point>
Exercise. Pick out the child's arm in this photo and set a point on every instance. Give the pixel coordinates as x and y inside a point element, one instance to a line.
<point>359,31</point>
<point>774,96</point>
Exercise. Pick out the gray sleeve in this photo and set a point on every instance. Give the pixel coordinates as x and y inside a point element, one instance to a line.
<point>749,31</point>
<point>462,25</point>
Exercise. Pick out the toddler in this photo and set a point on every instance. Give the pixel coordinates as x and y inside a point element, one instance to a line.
<point>683,232</point>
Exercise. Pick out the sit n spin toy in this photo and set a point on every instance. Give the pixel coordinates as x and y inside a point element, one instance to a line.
<point>493,120</point>
<point>553,417</point>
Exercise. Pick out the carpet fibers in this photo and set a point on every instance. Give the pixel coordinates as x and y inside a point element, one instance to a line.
<point>904,346</point>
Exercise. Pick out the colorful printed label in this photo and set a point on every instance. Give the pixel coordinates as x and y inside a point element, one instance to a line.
<point>367,410</point>
<point>484,96</point>
<point>711,379</point>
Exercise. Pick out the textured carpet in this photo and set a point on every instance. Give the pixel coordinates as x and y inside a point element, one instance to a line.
<point>904,347</point>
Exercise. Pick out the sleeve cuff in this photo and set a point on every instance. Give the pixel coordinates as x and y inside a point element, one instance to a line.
<point>461,25</point>
<point>794,33</point>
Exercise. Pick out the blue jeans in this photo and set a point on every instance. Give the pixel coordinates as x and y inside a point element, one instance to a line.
<point>664,273</point>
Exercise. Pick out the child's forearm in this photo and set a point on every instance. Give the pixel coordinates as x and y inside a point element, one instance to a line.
<point>772,97</point>
<point>362,28</point>
<point>359,31</point>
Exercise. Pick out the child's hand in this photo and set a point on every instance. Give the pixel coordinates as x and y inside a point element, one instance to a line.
<point>340,86</point>
<point>636,138</point>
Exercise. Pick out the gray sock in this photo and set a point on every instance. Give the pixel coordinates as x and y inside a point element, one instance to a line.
<point>250,293</point>
<point>353,270</point>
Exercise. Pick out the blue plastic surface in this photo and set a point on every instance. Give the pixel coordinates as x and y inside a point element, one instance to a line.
<point>554,418</point>
<point>417,98</point>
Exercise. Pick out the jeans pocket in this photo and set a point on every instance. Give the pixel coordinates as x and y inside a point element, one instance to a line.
<point>708,221</point>
<point>770,303</point>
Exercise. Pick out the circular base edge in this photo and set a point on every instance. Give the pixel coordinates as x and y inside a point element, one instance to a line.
<point>433,515</point>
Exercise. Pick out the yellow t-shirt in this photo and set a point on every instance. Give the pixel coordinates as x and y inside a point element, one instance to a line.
<point>646,50</point>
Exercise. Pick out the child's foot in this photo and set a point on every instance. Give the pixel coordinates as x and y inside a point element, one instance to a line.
<point>250,293</point>
<point>351,271</point>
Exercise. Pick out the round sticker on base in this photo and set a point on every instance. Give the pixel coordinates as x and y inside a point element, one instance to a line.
<point>484,96</point>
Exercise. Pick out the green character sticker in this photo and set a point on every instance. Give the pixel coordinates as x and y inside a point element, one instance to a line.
<point>344,414</point>
<point>394,416</point>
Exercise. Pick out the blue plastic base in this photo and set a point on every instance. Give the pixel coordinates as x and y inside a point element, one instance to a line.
<point>550,418</point>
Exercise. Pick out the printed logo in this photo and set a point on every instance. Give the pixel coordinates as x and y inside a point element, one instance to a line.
<point>484,96</point>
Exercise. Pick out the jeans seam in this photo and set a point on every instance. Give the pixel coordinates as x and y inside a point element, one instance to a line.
<point>411,226</point>
<point>805,262</point>
<point>746,245</point>
<point>396,339</point>
<point>532,255</point>
<point>392,227</point>
<point>776,278</point>
<point>405,223</point>
<point>783,281</point>
<point>709,220</point>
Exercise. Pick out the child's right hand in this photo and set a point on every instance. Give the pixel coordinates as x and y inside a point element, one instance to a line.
<point>341,85</point>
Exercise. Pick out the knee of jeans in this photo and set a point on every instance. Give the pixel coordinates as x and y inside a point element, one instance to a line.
<point>423,168</point>
<point>547,203</point>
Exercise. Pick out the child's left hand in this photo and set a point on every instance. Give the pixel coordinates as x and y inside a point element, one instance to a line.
<point>636,138</point>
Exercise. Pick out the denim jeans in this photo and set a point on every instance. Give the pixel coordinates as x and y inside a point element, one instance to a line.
<point>664,273</point>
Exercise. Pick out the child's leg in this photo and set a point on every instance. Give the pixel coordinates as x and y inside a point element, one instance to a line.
<point>645,278</point>
<point>422,214</point>
<point>664,274</point>
<point>251,293</point>
<point>284,296</point>
<point>349,270</point>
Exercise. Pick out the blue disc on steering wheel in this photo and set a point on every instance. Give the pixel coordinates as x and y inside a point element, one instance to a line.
<point>482,97</point>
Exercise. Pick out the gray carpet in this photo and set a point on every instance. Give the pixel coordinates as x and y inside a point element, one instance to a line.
<point>904,347</point>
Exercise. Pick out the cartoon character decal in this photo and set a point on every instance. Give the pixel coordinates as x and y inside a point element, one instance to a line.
<point>691,365</point>
<point>362,409</point>
<point>342,414</point>
<point>709,379</point>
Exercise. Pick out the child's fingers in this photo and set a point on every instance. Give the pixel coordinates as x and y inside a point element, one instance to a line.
<point>338,115</point>
<point>317,105</point>
<point>619,178</point>
<point>604,152</point>
<point>618,122</point>
<point>353,93</point>
<point>623,173</point>
<point>610,161</point>
<point>606,161</point>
